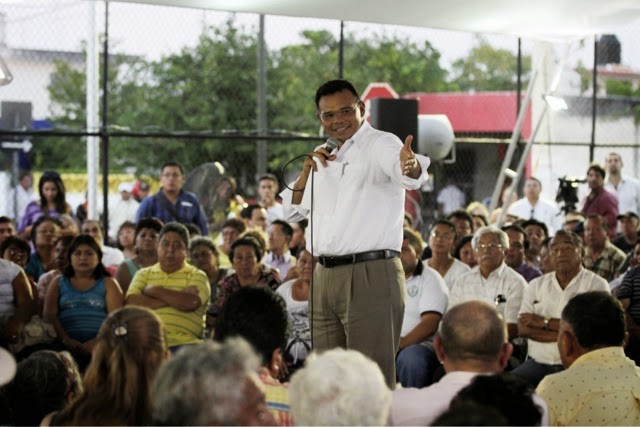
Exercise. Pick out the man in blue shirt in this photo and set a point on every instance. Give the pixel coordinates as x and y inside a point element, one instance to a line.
<point>172,203</point>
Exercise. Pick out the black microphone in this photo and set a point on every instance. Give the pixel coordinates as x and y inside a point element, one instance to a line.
<point>332,143</point>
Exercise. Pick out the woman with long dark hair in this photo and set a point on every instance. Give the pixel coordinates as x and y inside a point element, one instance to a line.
<point>52,202</point>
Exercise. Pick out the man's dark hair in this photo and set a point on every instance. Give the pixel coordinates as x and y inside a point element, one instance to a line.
<point>597,168</point>
<point>596,318</point>
<point>461,214</point>
<point>335,86</point>
<point>287,230</point>
<point>540,224</point>
<point>449,224</point>
<point>247,212</point>
<point>174,165</point>
<point>510,395</point>
<point>470,414</point>
<point>257,314</point>
<point>176,227</point>
<point>520,230</point>
<point>7,220</point>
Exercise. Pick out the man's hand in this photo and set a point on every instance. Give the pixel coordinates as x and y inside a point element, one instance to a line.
<point>322,154</point>
<point>531,320</point>
<point>408,163</point>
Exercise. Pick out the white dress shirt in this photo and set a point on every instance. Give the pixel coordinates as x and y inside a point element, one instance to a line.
<point>503,281</point>
<point>457,269</point>
<point>628,192</point>
<point>544,297</point>
<point>423,293</point>
<point>543,211</point>
<point>370,194</point>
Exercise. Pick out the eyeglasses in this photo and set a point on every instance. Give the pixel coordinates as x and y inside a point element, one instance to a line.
<point>437,235</point>
<point>489,246</point>
<point>331,115</point>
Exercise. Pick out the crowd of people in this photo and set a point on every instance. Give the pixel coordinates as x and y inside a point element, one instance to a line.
<point>176,317</point>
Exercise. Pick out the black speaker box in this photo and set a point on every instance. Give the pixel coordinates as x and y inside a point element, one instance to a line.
<point>397,116</point>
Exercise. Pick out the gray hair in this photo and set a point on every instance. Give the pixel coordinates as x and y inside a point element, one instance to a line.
<point>490,229</point>
<point>204,384</point>
<point>339,387</point>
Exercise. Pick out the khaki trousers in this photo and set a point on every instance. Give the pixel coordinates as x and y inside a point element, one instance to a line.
<point>360,307</point>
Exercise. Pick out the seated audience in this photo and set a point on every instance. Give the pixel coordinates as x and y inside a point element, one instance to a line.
<point>126,240</point>
<point>492,280</point>
<point>279,235</point>
<point>600,385</point>
<point>515,255</point>
<point>7,228</point>
<point>629,295</point>
<point>472,341</point>
<point>78,301</point>
<point>600,256</point>
<point>295,293</point>
<point>628,236</point>
<point>510,396</point>
<point>572,219</point>
<point>259,315</point>
<point>146,247</point>
<point>536,232</point>
<point>112,257</point>
<point>211,384</point>
<point>17,250</point>
<point>178,292</point>
<point>464,252</point>
<point>17,304</point>
<point>205,256</point>
<point>545,257</point>
<point>129,351</point>
<point>544,298</point>
<point>245,255</point>
<point>426,299</point>
<point>340,387</point>
<point>442,237</point>
<point>231,231</point>
<point>255,216</point>
<point>45,382</point>
<point>44,233</point>
<point>298,241</point>
<point>68,225</point>
<point>61,257</point>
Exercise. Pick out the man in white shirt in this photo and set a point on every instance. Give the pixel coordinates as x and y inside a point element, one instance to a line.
<point>23,194</point>
<point>267,190</point>
<point>279,234</point>
<point>426,298</point>
<point>543,301</point>
<point>491,281</point>
<point>626,188</point>
<point>532,206</point>
<point>472,341</point>
<point>358,283</point>
<point>123,210</point>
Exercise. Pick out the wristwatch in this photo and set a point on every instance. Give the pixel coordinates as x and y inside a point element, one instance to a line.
<point>546,323</point>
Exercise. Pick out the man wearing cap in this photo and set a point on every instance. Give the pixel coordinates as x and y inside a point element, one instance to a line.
<point>626,188</point>
<point>123,210</point>
<point>628,236</point>
<point>600,201</point>
<point>571,220</point>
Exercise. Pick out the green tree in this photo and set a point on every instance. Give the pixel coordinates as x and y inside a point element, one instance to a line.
<point>488,69</point>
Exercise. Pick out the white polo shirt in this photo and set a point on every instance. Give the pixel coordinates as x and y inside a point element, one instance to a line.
<point>423,293</point>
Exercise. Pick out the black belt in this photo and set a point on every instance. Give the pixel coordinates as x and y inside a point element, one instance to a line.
<point>337,261</point>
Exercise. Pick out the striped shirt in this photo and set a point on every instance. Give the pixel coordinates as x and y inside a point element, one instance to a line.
<point>630,289</point>
<point>187,208</point>
<point>182,327</point>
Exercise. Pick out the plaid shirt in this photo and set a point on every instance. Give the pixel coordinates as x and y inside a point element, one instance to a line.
<point>606,264</point>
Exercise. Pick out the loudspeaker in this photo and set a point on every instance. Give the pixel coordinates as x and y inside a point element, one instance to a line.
<point>609,50</point>
<point>397,116</point>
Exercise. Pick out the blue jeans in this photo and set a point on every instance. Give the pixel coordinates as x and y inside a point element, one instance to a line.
<point>415,365</point>
<point>534,372</point>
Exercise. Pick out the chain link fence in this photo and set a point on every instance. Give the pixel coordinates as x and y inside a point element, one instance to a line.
<point>195,86</point>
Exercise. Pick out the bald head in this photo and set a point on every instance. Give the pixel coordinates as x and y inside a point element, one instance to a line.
<point>473,330</point>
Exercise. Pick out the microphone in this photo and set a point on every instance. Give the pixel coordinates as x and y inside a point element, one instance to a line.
<point>332,143</point>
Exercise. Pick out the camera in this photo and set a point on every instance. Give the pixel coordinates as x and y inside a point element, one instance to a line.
<point>567,194</point>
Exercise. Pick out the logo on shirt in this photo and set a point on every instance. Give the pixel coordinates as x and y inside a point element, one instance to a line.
<point>412,291</point>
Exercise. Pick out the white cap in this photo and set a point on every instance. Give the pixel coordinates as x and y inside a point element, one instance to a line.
<point>7,366</point>
<point>125,186</point>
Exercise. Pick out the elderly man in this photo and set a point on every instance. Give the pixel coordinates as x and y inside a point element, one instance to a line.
<point>491,280</point>
<point>426,298</point>
<point>625,187</point>
<point>176,291</point>
<point>600,385</point>
<point>543,301</point>
<point>211,384</point>
<point>600,201</point>
<point>531,206</point>
<point>600,256</point>
<point>351,392</point>
<point>172,203</point>
<point>515,255</point>
<point>472,341</point>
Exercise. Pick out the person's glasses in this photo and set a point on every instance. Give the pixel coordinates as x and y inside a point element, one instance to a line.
<point>445,236</point>
<point>331,115</point>
<point>488,246</point>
